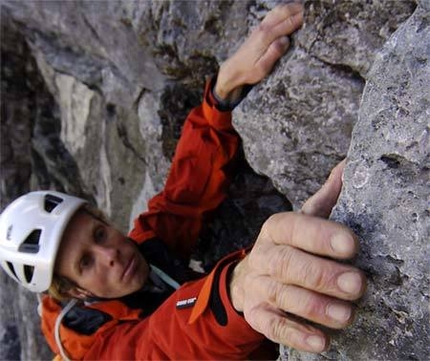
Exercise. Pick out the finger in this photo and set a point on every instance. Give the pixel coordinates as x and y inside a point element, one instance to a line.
<point>283,329</point>
<point>307,304</point>
<point>312,234</point>
<point>293,266</point>
<point>277,24</point>
<point>278,48</point>
<point>281,13</point>
<point>288,25</point>
<point>322,202</point>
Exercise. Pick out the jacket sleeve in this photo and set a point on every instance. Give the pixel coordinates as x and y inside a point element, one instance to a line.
<point>218,331</point>
<point>197,179</point>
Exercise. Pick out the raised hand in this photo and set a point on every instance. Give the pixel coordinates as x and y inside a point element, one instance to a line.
<point>288,278</point>
<point>259,53</point>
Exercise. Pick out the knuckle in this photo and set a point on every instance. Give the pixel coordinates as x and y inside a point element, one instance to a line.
<point>279,296</point>
<point>279,330</point>
<point>262,31</point>
<point>278,8</point>
<point>262,28</point>
<point>275,219</point>
<point>281,262</point>
<point>257,258</point>
<point>275,330</point>
<point>268,223</point>
<point>312,308</point>
<point>251,316</point>
<point>306,304</point>
<point>313,276</point>
<point>275,294</point>
<point>272,292</point>
<point>260,318</point>
<point>289,22</point>
<point>283,10</point>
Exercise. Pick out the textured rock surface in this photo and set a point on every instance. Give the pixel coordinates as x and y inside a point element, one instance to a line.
<point>118,80</point>
<point>297,125</point>
<point>385,200</point>
<point>23,100</point>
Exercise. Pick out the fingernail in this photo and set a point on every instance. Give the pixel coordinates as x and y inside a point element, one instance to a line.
<point>342,244</point>
<point>316,342</point>
<point>339,312</point>
<point>350,282</point>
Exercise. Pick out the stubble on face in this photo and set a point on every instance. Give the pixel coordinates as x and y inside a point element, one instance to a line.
<point>99,259</point>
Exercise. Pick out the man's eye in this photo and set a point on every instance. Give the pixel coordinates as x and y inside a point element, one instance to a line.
<point>100,235</point>
<point>85,262</point>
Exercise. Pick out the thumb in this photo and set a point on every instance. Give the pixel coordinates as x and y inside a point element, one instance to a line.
<point>323,201</point>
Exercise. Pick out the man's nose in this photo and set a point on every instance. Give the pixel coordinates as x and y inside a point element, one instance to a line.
<point>108,255</point>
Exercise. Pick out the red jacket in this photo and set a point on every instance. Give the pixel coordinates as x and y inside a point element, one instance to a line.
<point>184,326</point>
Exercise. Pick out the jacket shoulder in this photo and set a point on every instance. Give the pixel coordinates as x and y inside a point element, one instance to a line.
<point>82,324</point>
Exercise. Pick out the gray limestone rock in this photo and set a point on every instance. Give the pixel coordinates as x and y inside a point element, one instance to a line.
<point>21,95</point>
<point>347,33</point>
<point>385,200</point>
<point>297,124</point>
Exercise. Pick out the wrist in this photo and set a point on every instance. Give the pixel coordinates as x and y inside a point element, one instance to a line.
<point>231,97</point>
<point>236,288</point>
<point>227,88</point>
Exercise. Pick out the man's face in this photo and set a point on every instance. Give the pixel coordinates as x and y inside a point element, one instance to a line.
<point>99,259</point>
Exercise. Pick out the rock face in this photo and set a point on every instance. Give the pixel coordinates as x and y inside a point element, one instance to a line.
<point>385,200</point>
<point>297,124</point>
<point>386,197</point>
<point>22,92</point>
<point>100,93</point>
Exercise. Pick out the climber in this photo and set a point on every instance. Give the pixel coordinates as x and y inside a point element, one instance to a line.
<point>108,296</point>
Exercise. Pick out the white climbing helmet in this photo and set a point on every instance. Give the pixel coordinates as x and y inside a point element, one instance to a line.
<point>31,228</point>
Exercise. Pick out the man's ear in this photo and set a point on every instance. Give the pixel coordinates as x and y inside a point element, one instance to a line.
<point>79,293</point>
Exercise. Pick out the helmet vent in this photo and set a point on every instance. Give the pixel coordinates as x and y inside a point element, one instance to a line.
<point>28,273</point>
<point>31,243</point>
<point>12,269</point>
<point>51,202</point>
